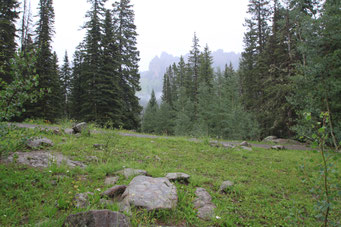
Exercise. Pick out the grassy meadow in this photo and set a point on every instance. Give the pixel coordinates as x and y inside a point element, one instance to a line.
<point>271,188</point>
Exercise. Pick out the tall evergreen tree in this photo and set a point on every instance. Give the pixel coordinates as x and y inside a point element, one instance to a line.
<point>45,108</point>
<point>91,69</point>
<point>8,17</point>
<point>193,62</point>
<point>205,69</point>
<point>65,78</point>
<point>128,57</point>
<point>149,120</point>
<point>111,104</point>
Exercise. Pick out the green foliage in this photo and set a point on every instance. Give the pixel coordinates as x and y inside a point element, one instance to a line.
<point>21,89</point>
<point>329,192</point>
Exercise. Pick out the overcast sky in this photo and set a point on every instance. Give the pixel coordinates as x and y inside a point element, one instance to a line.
<point>162,25</point>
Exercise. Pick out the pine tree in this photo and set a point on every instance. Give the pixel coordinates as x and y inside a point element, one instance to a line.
<point>193,63</point>
<point>91,69</point>
<point>150,116</point>
<point>110,106</point>
<point>77,87</point>
<point>8,17</point>
<point>65,78</point>
<point>46,107</point>
<point>205,69</point>
<point>128,57</point>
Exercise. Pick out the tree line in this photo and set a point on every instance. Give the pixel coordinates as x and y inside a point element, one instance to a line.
<point>98,86</point>
<point>290,67</point>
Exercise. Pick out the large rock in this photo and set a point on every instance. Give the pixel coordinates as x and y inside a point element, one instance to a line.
<point>128,172</point>
<point>39,142</point>
<point>204,204</point>
<point>42,159</point>
<point>151,193</point>
<point>79,128</point>
<point>97,218</point>
<point>182,177</point>
<point>82,199</point>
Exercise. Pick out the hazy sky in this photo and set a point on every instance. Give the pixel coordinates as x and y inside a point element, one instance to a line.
<point>162,25</point>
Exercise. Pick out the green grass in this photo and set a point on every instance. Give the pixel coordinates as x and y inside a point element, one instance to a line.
<point>272,188</point>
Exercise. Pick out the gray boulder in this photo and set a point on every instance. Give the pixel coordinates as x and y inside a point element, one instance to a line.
<point>151,193</point>
<point>97,218</point>
<point>204,204</point>
<point>115,192</point>
<point>128,172</point>
<point>39,142</point>
<point>79,128</point>
<point>224,187</point>
<point>82,199</point>
<point>182,177</point>
<point>42,159</point>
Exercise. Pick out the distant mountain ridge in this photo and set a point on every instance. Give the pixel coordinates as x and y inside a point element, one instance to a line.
<point>153,78</point>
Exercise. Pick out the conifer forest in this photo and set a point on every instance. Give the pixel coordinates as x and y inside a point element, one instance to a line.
<point>290,70</point>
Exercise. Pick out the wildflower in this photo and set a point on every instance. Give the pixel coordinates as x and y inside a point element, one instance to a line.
<point>50,171</point>
<point>98,189</point>
<point>217,217</point>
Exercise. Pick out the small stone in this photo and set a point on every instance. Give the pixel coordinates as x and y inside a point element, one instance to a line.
<point>111,180</point>
<point>157,158</point>
<point>278,147</point>
<point>97,218</point>
<point>225,186</point>
<point>79,128</point>
<point>115,192</point>
<point>69,131</point>
<point>82,199</point>
<point>36,143</point>
<point>270,138</point>
<point>204,204</point>
<point>228,146</point>
<point>245,144</point>
<point>182,177</point>
<point>246,148</point>
<point>92,159</point>
<point>128,172</point>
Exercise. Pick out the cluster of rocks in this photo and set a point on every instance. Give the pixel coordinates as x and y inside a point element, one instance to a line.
<point>143,192</point>
<point>41,158</point>
<point>78,129</point>
<point>275,139</point>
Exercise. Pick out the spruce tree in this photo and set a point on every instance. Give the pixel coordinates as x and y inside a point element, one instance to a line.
<point>110,106</point>
<point>193,62</point>
<point>205,69</point>
<point>65,78</point>
<point>128,57</point>
<point>8,17</point>
<point>150,122</point>
<point>91,69</point>
<point>48,106</point>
